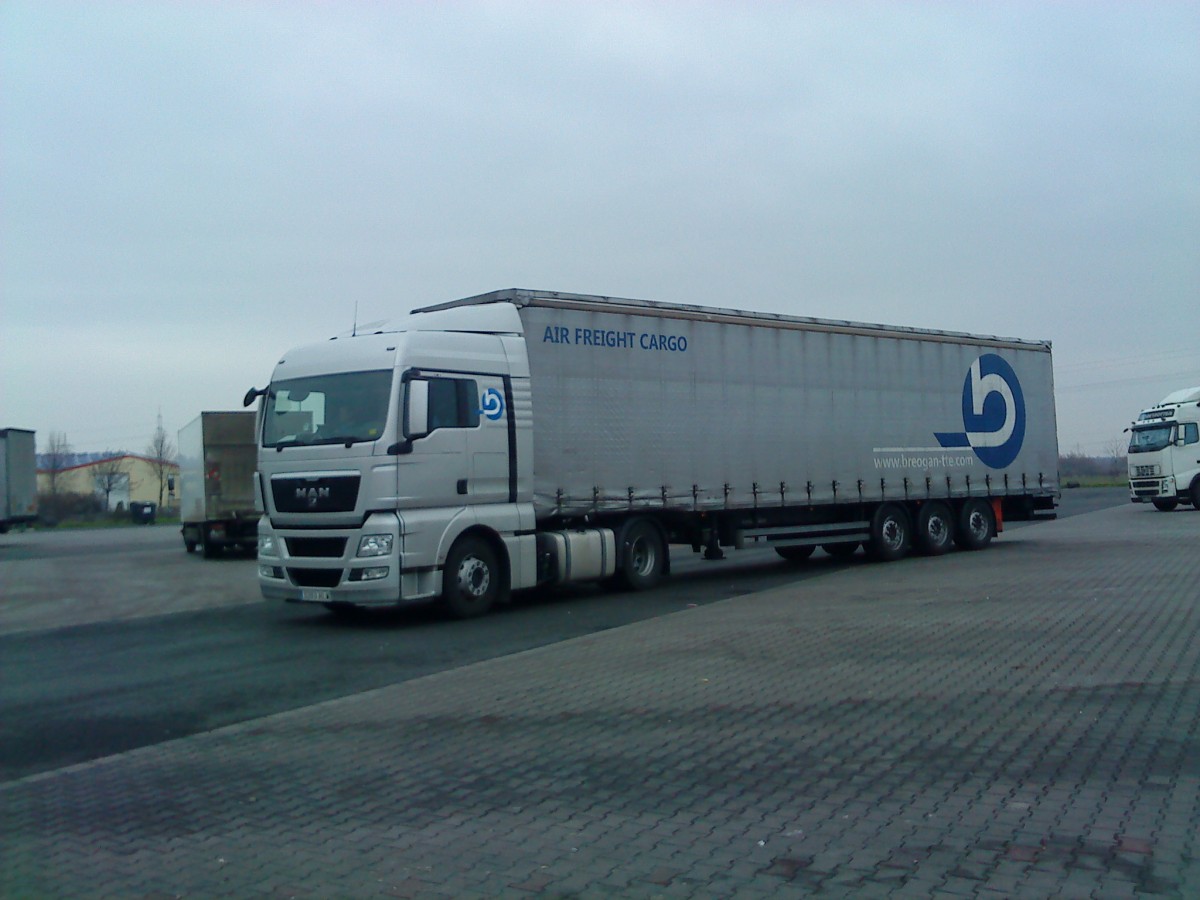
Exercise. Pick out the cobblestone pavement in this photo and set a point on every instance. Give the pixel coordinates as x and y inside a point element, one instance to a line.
<point>1017,722</point>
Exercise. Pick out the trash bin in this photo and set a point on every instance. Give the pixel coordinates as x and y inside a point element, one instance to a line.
<point>143,513</point>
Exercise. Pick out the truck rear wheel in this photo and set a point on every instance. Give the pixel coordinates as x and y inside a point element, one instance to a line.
<point>471,581</point>
<point>935,528</point>
<point>641,555</point>
<point>208,547</point>
<point>976,525</point>
<point>891,533</point>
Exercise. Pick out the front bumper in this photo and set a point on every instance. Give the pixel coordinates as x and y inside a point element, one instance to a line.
<point>323,566</point>
<point>1145,490</point>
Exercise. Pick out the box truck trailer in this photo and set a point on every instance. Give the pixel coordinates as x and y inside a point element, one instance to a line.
<point>1164,452</point>
<point>520,438</point>
<point>217,456</point>
<point>18,478</point>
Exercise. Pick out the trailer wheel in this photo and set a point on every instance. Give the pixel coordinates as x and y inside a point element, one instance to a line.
<point>891,533</point>
<point>935,528</point>
<point>1165,505</point>
<point>796,554</point>
<point>976,525</point>
<point>641,555</point>
<point>471,580</point>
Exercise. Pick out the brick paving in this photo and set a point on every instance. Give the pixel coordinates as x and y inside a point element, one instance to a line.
<point>1023,721</point>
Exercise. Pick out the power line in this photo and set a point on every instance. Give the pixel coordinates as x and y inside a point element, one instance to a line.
<point>1140,379</point>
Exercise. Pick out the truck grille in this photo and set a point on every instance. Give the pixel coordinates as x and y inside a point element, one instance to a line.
<point>318,494</point>
<point>1146,488</point>
<point>319,578</point>
<point>1145,471</point>
<point>322,547</point>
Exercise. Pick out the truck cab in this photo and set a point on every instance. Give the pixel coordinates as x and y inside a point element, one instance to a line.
<point>1164,452</point>
<point>381,453</point>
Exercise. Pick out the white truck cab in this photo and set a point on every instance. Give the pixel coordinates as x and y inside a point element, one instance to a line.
<point>1164,452</point>
<point>362,500</point>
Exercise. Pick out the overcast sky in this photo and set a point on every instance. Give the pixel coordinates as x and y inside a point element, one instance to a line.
<point>187,189</point>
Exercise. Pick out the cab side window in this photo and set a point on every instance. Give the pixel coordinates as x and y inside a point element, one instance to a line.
<point>453,403</point>
<point>1191,433</point>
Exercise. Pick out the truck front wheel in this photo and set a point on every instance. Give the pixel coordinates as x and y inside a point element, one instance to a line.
<point>641,555</point>
<point>1165,505</point>
<point>471,581</point>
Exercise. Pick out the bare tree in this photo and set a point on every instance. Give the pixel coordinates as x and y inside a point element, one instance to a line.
<point>56,459</point>
<point>111,473</point>
<point>161,452</point>
<point>1117,450</point>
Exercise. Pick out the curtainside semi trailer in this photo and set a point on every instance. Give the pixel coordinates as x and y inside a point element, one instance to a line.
<point>520,438</point>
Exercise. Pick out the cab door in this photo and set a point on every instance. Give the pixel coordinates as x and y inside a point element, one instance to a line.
<point>490,479</point>
<point>460,453</point>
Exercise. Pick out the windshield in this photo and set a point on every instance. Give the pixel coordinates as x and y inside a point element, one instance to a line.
<point>1144,440</point>
<point>327,409</point>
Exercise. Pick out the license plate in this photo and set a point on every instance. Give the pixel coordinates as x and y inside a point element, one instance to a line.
<point>315,596</point>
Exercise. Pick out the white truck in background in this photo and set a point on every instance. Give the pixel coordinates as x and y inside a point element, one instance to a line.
<point>18,478</point>
<point>1164,452</point>
<point>217,456</point>
<point>521,438</point>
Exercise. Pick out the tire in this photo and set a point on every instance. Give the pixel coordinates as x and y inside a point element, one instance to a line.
<point>934,534</point>
<point>840,551</point>
<point>1165,505</point>
<point>1194,493</point>
<point>189,546</point>
<point>471,580</point>
<point>208,549</point>
<point>641,555</point>
<point>796,554</point>
<point>976,525</point>
<point>891,533</point>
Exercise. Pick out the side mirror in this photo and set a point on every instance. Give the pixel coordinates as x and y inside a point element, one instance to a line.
<point>416,415</point>
<point>252,395</point>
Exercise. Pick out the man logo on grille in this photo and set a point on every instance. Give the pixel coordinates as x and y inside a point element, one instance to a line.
<point>313,495</point>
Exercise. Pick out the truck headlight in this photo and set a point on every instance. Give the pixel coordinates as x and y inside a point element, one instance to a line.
<point>375,545</point>
<point>267,545</point>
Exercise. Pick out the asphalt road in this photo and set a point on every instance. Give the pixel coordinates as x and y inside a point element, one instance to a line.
<point>77,693</point>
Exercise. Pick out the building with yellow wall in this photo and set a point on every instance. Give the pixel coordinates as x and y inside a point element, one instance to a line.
<point>125,478</point>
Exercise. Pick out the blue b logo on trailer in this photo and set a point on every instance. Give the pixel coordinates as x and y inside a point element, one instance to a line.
<point>993,410</point>
<point>492,404</point>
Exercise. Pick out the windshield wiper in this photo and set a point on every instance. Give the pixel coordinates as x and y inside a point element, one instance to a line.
<point>346,439</point>
<point>294,442</point>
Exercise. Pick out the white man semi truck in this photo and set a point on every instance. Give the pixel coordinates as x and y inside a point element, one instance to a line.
<point>1164,452</point>
<point>520,438</point>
